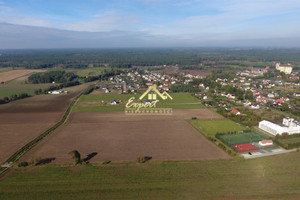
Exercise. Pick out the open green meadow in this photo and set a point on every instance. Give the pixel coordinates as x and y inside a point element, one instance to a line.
<point>262,178</point>
<point>19,86</point>
<point>94,71</point>
<point>287,141</point>
<point>241,138</point>
<point>107,98</point>
<point>88,103</point>
<point>212,127</point>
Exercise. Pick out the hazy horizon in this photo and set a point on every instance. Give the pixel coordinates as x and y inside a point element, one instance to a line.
<point>36,24</point>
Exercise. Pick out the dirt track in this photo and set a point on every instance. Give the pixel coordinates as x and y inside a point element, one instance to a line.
<point>117,137</point>
<point>23,120</point>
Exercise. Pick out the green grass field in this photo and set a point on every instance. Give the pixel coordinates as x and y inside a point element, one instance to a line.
<point>287,141</point>
<point>95,71</point>
<point>211,127</point>
<point>262,178</point>
<point>241,138</point>
<point>180,101</point>
<point>19,86</point>
<point>107,98</point>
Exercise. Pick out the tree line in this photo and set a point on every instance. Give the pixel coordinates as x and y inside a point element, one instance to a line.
<point>57,76</point>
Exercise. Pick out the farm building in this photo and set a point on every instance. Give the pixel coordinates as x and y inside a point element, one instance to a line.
<point>57,92</point>
<point>289,126</point>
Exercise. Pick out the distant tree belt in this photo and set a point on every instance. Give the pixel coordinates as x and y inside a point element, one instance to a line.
<point>14,97</point>
<point>52,76</point>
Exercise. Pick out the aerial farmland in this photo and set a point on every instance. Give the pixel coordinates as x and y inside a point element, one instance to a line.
<point>89,130</point>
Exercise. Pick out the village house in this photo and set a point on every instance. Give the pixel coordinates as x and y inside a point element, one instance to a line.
<point>235,111</point>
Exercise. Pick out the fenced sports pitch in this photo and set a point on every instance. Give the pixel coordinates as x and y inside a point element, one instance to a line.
<point>241,137</point>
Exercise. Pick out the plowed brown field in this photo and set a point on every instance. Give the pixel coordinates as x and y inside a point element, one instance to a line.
<point>23,120</point>
<point>13,74</point>
<point>117,137</point>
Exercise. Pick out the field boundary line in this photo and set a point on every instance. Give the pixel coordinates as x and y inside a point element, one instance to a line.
<point>18,154</point>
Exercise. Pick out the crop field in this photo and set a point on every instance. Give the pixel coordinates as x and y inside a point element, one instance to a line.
<point>23,120</point>
<point>118,137</point>
<point>241,138</point>
<point>101,102</point>
<point>212,127</point>
<point>254,179</point>
<point>13,74</point>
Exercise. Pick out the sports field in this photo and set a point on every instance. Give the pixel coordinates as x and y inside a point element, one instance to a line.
<point>212,127</point>
<point>254,179</point>
<point>241,138</point>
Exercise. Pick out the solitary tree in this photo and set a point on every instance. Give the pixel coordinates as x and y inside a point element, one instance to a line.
<point>76,156</point>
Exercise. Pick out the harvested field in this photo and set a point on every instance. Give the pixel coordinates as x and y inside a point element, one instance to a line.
<point>13,74</point>
<point>23,120</point>
<point>14,136</point>
<point>120,116</point>
<point>117,137</point>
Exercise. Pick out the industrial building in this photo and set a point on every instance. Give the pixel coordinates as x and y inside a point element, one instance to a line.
<point>289,126</point>
<point>287,69</point>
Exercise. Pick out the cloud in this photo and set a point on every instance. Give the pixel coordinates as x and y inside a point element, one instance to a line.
<point>107,21</point>
<point>30,21</point>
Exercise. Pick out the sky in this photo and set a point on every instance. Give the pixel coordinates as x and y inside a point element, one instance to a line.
<point>149,23</point>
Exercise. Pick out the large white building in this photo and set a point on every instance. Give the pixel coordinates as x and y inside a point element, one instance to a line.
<point>289,126</point>
<point>287,69</point>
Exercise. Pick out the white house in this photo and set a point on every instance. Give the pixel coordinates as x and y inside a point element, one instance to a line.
<point>255,106</point>
<point>297,94</point>
<point>265,142</point>
<point>271,95</point>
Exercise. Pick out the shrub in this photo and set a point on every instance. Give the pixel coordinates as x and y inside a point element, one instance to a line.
<point>143,159</point>
<point>229,152</point>
<point>106,162</point>
<point>23,164</point>
<point>35,160</point>
<point>212,139</point>
<point>194,118</point>
<point>222,146</point>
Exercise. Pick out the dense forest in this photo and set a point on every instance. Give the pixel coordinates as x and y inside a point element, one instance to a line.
<point>57,76</point>
<point>125,58</point>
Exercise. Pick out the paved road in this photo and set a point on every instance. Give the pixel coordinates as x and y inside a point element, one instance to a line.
<point>264,153</point>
